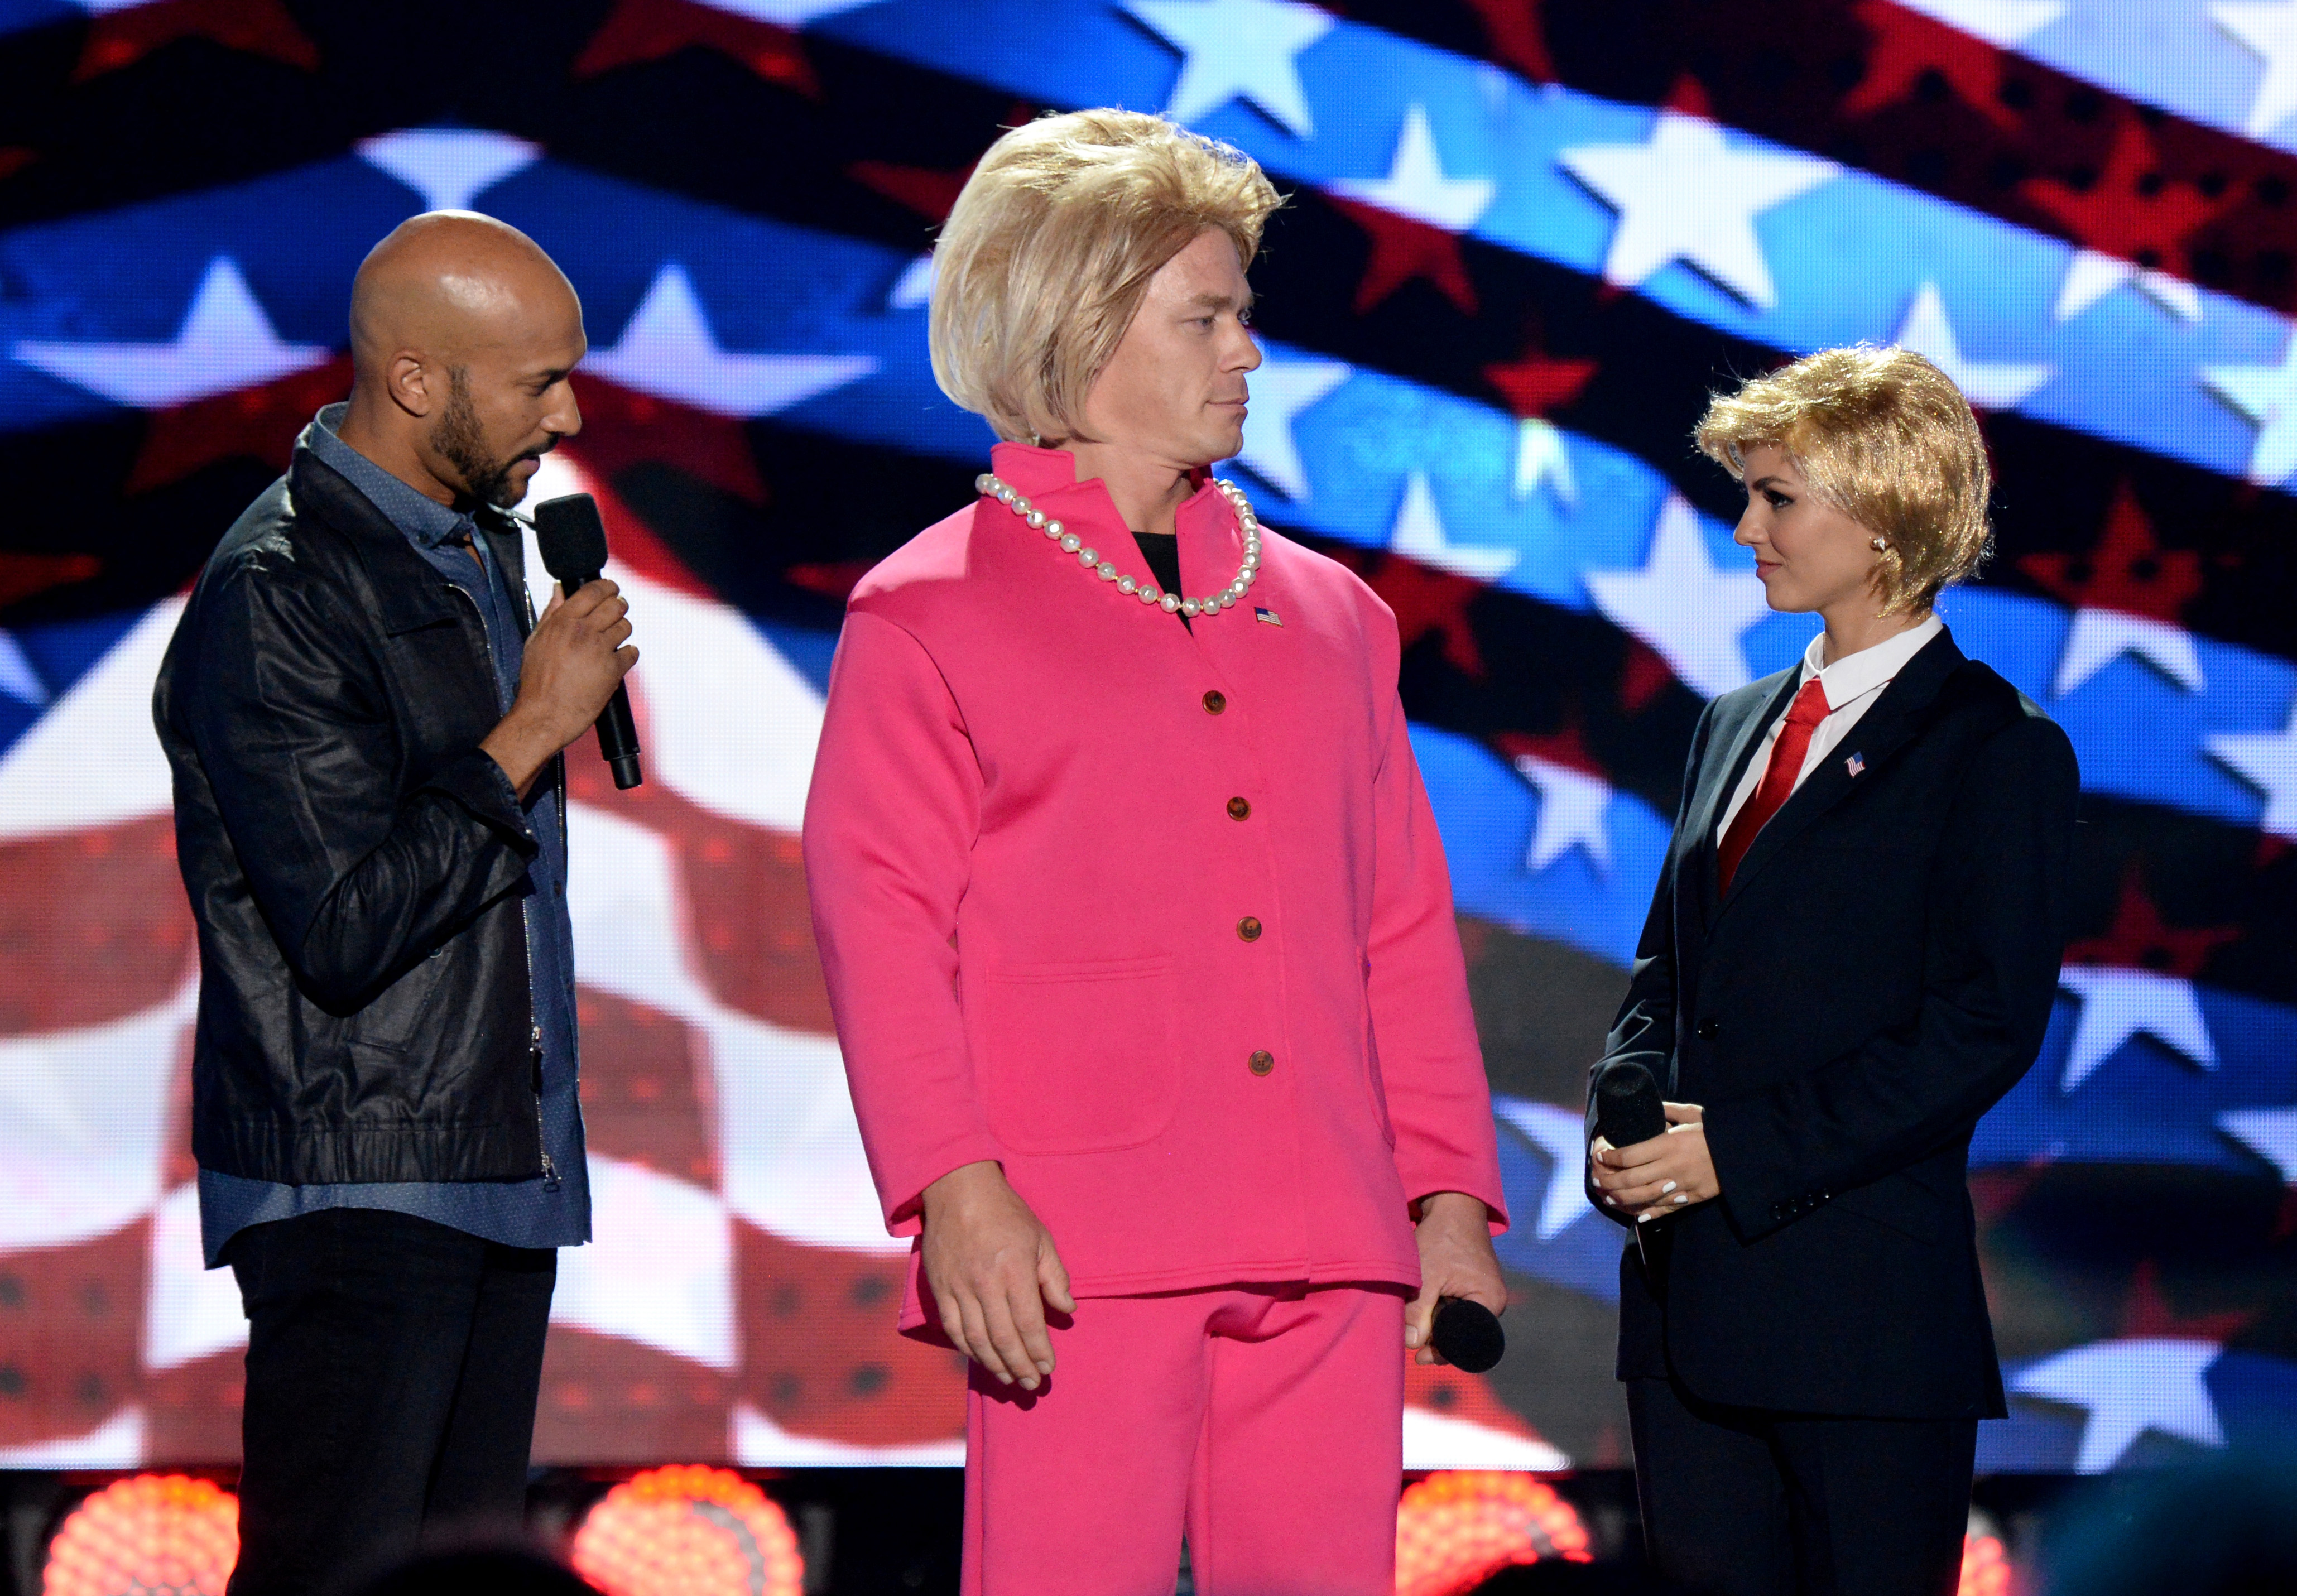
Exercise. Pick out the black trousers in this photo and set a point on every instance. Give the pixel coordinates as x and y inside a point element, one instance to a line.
<point>393,1370</point>
<point>1738,1502</point>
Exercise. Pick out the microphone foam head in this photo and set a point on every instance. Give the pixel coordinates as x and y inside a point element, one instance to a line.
<point>1468,1335</point>
<point>570,536</point>
<point>1623,1082</point>
<point>1628,1108</point>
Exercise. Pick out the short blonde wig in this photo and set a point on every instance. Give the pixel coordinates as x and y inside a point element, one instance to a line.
<point>1886,438</point>
<point>1049,248</point>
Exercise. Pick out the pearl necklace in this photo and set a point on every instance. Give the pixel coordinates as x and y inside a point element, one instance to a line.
<point>991,487</point>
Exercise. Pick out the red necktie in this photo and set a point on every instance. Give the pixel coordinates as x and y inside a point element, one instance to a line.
<point>1803,716</point>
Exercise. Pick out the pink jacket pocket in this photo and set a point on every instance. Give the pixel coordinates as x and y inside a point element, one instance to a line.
<point>1077,1057</point>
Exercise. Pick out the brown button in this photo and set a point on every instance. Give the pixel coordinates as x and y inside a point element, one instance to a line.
<point>1216,702</point>
<point>1238,810</point>
<point>1262,1062</point>
<point>1248,929</point>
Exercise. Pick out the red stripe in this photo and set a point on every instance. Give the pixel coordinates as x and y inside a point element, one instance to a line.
<point>820,1353</point>
<point>94,926</point>
<point>72,1328</point>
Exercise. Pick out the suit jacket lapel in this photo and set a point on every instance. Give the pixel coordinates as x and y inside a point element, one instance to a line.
<point>1721,778</point>
<point>1881,732</point>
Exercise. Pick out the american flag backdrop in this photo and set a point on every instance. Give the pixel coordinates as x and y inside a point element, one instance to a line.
<point>1527,237</point>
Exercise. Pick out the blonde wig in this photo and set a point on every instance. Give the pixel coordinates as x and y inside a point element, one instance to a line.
<point>1884,436</point>
<point>1049,248</point>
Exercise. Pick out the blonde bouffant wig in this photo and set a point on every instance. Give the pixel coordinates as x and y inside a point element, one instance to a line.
<point>1049,248</point>
<point>1884,436</point>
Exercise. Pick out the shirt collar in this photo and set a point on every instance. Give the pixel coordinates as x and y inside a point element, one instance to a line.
<point>426,522</point>
<point>1854,675</point>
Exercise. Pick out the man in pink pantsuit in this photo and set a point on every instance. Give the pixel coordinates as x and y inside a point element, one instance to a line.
<point>1137,924</point>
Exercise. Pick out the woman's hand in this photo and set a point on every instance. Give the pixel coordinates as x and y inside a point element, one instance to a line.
<point>1662,1175</point>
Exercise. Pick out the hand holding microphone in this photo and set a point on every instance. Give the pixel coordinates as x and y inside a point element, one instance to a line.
<point>1449,1321</point>
<point>570,672</point>
<point>574,544</point>
<point>1643,1165</point>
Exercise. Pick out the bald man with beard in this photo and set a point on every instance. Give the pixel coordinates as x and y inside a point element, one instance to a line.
<point>365,721</point>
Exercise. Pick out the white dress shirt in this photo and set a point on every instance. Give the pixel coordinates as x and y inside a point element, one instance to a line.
<point>1853,683</point>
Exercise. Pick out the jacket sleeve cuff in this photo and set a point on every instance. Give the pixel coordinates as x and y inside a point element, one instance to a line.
<point>905,1216</point>
<point>1495,1215</point>
<point>482,787</point>
<point>1587,1187</point>
<point>1484,1186</point>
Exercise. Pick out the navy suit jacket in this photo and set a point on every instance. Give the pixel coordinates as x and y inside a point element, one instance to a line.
<point>1879,974</point>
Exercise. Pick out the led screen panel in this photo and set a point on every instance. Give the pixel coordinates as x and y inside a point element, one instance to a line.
<point>1523,243</point>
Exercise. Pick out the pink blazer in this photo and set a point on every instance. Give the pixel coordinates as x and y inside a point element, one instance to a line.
<point>1042,815</point>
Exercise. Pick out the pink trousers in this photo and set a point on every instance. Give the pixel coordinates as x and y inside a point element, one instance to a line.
<point>1266,1421</point>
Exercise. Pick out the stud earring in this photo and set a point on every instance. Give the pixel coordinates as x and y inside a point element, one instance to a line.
<point>1881,547</point>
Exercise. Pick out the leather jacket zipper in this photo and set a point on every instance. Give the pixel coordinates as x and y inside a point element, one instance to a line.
<point>558,787</point>
<point>541,1132</point>
<point>526,926</point>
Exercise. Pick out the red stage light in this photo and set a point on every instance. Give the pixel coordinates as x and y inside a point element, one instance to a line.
<point>1454,1530</point>
<point>1986,1570</point>
<point>151,1535</point>
<point>689,1531</point>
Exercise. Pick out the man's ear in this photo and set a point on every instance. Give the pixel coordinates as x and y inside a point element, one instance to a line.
<point>415,386</point>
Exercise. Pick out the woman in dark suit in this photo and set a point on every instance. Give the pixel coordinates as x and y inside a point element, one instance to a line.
<point>1851,956</point>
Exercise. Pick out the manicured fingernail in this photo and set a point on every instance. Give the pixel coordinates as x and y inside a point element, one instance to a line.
<point>1643,1219</point>
<point>1668,1187</point>
<point>1685,1197</point>
<point>1613,1201</point>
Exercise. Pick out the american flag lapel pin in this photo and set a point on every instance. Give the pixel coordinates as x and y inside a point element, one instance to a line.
<point>1856,764</point>
<point>1268,615</point>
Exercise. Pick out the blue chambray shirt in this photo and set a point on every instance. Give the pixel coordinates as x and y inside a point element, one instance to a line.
<point>550,1210</point>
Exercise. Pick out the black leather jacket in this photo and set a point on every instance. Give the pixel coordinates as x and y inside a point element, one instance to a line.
<point>355,863</point>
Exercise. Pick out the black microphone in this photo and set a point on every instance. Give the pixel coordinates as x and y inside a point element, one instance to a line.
<point>1467,1335</point>
<point>574,544</point>
<point>1628,1109</point>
